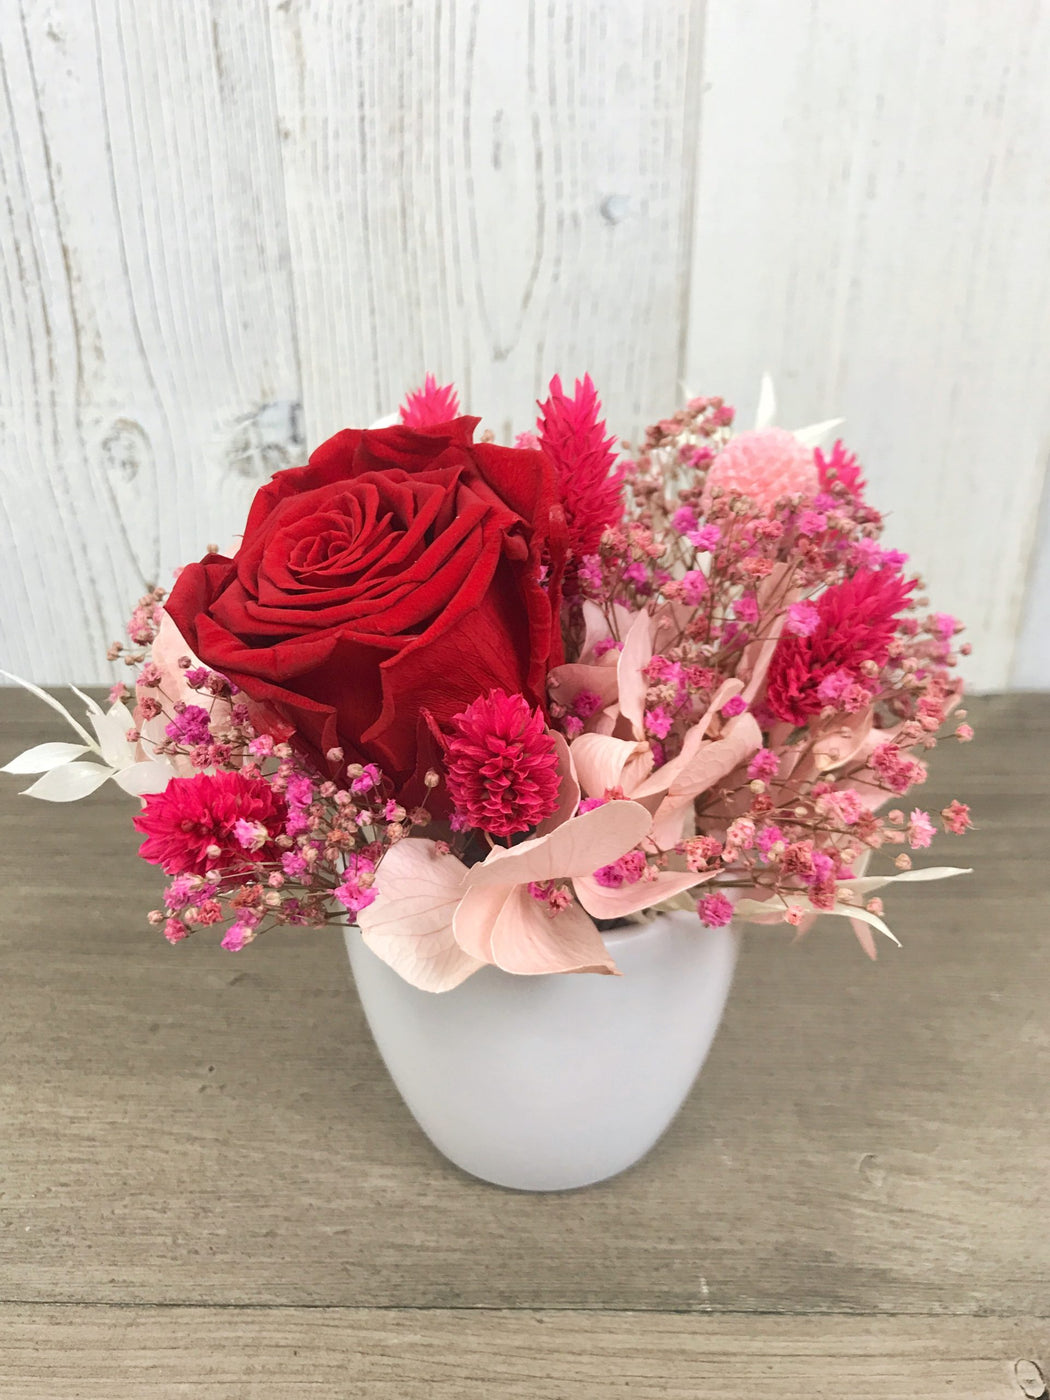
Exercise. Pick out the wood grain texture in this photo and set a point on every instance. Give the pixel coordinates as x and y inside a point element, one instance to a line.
<point>872,209</point>
<point>147,345</point>
<point>346,1354</point>
<point>495,192</point>
<point>189,1126</point>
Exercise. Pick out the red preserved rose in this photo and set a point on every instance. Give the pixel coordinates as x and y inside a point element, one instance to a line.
<point>400,574</point>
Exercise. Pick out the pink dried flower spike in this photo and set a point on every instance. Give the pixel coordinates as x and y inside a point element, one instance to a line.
<point>433,404</point>
<point>573,436</point>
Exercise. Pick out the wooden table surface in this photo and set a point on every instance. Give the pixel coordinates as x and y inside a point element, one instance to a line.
<point>209,1188</point>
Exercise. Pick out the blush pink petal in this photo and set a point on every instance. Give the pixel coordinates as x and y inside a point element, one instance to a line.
<point>596,628</point>
<point>603,762</point>
<point>741,739</point>
<point>577,847</point>
<point>774,599</point>
<point>527,941</point>
<point>662,778</point>
<point>605,903</point>
<point>566,682</point>
<point>475,917</point>
<point>409,924</point>
<point>568,789</point>
<point>636,655</point>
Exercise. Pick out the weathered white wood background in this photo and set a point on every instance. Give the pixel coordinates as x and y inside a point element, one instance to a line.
<point>233,226</point>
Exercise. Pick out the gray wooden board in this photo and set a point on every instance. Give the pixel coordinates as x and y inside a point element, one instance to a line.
<point>186,1126</point>
<point>109,1353</point>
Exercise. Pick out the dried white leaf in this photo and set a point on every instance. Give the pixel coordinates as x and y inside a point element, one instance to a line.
<point>70,782</point>
<point>143,778</point>
<point>767,403</point>
<point>815,433</point>
<point>50,700</point>
<point>43,757</point>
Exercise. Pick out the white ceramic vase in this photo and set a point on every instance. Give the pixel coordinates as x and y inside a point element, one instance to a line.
<point>553,1082</point>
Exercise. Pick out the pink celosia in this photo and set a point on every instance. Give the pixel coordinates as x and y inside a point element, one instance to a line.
<point>240,932</point>
<point>502,765</point>
<point>763,465</point>
<point>841,466</point>
<point>433,404</point>
<point>573,437</point>
<point>811,522</point>
<point>857,620</point>
<point>896,769</point>
<point>628,870</point>
<point>715,910</point>
<point>189,827</point>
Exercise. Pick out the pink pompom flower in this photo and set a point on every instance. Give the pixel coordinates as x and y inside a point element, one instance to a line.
<point>763,465</point>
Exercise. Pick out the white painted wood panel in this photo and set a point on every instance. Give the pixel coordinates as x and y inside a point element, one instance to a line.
<point>1031,670</point>
<point>492,190</point>
<point>873,212</point>
<point>220,210</point>
<point>146,308</point>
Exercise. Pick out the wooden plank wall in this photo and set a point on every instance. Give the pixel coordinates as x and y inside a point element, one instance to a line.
<point>233,226</point>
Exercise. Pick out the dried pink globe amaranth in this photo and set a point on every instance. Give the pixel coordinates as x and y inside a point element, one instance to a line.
<point>502,765</point>
<point>763,465</point>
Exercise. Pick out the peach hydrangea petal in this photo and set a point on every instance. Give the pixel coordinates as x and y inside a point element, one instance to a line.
<point>603,762</point>
<point>604,903</point>
<point>740,740</point>
<point>475,917</point>
<point>578,847</point>
<point>636,655</point>
<point>661,779</point>
<point>528,941</point>
<point>568,790</point>
<point>774,598</point>
<point>597,629</point>
<point>566,682</point>
<point>409,924</point>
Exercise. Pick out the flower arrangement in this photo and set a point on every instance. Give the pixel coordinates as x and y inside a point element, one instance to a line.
<point>489,701</point>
